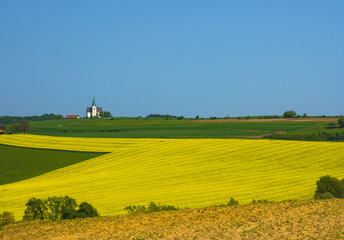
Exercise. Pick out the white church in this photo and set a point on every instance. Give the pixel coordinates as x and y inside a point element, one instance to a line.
<point>93,111</point>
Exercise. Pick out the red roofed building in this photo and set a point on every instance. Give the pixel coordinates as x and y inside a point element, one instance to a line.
<point>72,116</point>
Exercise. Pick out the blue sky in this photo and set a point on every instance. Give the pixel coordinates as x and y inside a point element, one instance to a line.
<point>206,58</point>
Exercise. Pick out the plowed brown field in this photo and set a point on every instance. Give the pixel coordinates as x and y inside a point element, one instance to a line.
<point>287,220</point>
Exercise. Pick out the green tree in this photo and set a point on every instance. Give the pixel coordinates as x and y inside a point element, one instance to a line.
<point>197,117</point>
<point>341,122</point>
<point>87,210</point>
<point>289,114</point>
<point>16,128</point>
<point>6,218</point>
<point>327,184</point>
<point>68,208</point>
<point>3,127</point>
<point>25,125</point>
<point>60,208</point>
<point>35,209</point>
<point>107,114</point>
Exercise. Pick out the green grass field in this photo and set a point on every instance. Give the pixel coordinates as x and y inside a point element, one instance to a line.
<point>154,128</point>
<point>18,163</point>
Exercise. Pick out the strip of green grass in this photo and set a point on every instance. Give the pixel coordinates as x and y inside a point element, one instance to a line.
<point>18,163</point>
<point>150,128</point>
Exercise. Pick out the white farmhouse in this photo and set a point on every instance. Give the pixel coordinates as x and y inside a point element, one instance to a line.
<point>93,111</point>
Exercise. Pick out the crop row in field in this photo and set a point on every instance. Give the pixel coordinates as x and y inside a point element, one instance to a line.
<point>181,172</point>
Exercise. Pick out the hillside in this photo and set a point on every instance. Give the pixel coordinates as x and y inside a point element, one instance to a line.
<point>287,220</point>
<point>182,172</point>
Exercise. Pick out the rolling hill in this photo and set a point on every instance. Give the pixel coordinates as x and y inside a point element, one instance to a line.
<point>181,172</point>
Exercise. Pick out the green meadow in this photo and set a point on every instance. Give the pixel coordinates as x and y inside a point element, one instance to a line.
<point>158,128</point>
<point>17,163</point>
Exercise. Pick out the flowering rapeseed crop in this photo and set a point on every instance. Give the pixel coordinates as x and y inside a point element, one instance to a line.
<point>180,172</point>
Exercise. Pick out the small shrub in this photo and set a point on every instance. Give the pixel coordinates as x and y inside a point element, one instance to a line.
<point>6,218</point>
<point>152,207</point>
<point>133,209</point>
<point>325,195</point>
<point>328,184</point>
<point>232,202</point>
<point>341,122</point>
<point>86,210</point>
<point>260,201</point>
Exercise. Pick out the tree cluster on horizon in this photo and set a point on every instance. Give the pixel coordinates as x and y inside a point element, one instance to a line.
<point>17,119</point>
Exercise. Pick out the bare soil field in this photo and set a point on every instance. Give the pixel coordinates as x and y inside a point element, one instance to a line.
<point>286,220</point>
<point>270,120</point>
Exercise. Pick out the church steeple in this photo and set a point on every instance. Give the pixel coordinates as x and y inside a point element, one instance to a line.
<point>93,111</point>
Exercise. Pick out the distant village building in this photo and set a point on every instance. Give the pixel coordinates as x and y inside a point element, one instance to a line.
<point>72,116</point>
<point>93,111</point>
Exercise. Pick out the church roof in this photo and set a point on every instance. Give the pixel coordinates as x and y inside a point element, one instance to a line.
<point>94,102</point>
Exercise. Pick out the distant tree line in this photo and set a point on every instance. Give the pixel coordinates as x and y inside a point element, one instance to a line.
<point>11,120</point>
<point>165,116</point>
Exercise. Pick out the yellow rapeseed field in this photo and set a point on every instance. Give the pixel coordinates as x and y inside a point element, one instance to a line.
<point>181,172</point>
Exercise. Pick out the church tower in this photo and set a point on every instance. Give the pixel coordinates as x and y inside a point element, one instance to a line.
<point>93,111</point>
<point>94,108</point>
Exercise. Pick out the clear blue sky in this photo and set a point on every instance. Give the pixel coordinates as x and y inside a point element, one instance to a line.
<point>206,58</point>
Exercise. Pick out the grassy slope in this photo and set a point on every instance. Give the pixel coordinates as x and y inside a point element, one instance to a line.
<point>152,128</point>
<point>183,172</point>
<point>288,220</point>
<point>22,163</point>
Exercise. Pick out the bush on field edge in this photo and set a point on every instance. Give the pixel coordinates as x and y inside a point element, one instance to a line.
<point>152,207</point>
<point>57,208</point>
<point>6,218</point>
<point>329,187</point>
